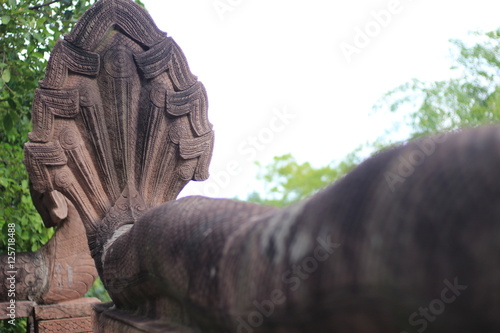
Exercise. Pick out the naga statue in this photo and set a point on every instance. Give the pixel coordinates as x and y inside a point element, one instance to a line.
<point>406,242</point>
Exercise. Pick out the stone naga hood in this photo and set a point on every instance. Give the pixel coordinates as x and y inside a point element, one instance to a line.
<point>119,123</point>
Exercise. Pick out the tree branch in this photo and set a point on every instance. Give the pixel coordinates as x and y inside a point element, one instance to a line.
<point>12,91</point>
<point>43,5</point>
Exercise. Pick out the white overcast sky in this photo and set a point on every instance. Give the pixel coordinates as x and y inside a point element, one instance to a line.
<point>279,82</point>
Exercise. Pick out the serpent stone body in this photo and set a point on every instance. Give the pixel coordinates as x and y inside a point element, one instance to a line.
<point>361,256</point>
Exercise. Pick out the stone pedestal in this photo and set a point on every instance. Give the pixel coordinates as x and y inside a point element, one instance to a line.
<point>23,309</point>
<point>68,317</point>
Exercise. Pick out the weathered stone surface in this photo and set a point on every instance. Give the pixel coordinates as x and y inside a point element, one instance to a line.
<point>360,256</point>
<point>23,309</point>
<point>82,307</point>
<point>73,325</point>
<point>73,316</point>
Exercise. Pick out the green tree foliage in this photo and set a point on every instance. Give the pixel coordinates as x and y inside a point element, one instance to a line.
<point>471,98</point>
<point>17,205</point>
<point>29,31</point>
<point>288,181</point>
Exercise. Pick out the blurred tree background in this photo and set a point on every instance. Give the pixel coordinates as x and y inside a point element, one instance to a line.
<point>29,30</point>
<point>471,98</point>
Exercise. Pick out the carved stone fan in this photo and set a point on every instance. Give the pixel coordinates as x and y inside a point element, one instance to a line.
<point>119,123</point>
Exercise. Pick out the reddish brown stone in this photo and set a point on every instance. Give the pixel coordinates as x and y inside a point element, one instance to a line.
<point>23,309</point>
<point>67,317</point>
<point>82,307</point>
<point>72,325</point>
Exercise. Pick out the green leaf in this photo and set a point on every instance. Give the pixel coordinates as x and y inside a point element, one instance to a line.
<point>5,19</point>
<point>12,104</point>
<point>5,182</point>
<point>25,235</point>
<point>68,14</point>
<point>26,200</point>
<point>8,123</point>
<point>37,54</point>
<point>6,75</point>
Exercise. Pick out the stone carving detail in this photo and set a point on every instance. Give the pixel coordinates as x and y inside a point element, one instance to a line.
<point>120,122</point>
<point>70,59</point>
<point>73,316</point>
<point>32,276</point>
<point>47,105</point>
<point>65,325</point>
